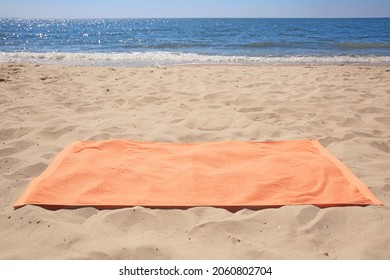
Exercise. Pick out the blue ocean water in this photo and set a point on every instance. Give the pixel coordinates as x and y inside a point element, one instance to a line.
<point>132,42</point>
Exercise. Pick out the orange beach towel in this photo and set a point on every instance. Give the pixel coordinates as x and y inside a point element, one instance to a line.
<point>120,173</point>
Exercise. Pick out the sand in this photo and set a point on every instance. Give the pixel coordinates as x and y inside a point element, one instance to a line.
<point>45,107</point>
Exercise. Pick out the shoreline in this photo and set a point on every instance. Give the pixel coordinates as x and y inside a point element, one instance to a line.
<point>309,65</point>
<point>164,58</point>
<point>45,107</point>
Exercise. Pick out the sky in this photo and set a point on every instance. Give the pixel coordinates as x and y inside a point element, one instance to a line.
<point>193,8</point>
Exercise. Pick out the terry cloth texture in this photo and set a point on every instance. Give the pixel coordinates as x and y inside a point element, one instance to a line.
<point>121,173</point>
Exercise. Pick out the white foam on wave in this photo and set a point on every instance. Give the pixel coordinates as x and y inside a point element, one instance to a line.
<point>170,58</point>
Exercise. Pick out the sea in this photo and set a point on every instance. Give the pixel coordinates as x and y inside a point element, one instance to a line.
<point>161,42</point>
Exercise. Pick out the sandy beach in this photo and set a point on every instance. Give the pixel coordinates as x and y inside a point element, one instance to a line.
<point>46,107</point>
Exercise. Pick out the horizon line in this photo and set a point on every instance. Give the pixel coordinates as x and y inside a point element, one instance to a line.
<point>63,18</point>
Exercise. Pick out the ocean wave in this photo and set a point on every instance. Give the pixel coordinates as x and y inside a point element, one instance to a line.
<point>177,58</point>
<point>164,46</point>
<point>259,45</point>
<point>363,45</point>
